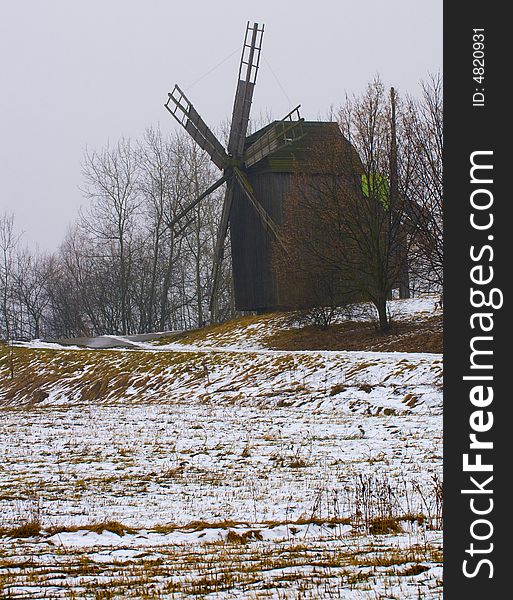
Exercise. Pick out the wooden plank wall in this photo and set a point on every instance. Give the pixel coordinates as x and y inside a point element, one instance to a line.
<point>254,282</point>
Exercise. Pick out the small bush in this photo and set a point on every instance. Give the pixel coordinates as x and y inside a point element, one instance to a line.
<point>384,526</point>
<point>337,388</point>
<point>112,526</point>
<point>26,530</point>
<point>415,569</point>
<point>243,538</point>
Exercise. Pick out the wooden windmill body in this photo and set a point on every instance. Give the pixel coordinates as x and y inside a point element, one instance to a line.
<point>272,178</point>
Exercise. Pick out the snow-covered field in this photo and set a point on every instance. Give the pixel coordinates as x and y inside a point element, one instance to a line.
<point>221,469</point>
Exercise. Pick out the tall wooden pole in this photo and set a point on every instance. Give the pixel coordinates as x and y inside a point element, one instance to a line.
<point>399,236</point>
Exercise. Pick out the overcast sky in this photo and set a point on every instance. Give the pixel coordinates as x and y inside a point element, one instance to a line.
<point>77,73</point>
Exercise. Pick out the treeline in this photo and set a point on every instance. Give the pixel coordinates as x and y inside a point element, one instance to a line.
<point>122,268</point>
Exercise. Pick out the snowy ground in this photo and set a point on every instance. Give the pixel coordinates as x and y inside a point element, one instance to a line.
<point>221,469</point>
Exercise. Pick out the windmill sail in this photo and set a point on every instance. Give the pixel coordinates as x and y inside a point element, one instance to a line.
<point>188,117</point>
<point>248,71</point>
<point>221,238</point>
<point>250,249</point>
<point>247,189</point>
<point>196,201</point>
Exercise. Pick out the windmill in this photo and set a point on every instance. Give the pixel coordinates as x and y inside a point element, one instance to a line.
<point>251,235</point>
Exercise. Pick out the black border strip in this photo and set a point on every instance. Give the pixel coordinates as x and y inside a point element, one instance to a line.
<point>476,123</point>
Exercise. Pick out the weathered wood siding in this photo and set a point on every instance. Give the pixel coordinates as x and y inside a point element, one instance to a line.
<point>254,281</point>
<point>271,178</point>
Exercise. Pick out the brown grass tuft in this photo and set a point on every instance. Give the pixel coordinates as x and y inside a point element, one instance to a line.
<point>26,530</point>
<point>403,336</point>
<point>384,526</point>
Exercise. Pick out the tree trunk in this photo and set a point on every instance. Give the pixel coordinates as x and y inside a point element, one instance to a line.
<point>381,307</point>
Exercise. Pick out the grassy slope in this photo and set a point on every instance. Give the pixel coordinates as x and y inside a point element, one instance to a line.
<point>227,360</point>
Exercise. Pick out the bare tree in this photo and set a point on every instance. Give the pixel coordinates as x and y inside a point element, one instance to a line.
<point>201,234</point>
<point>338,239</point>
<point>110,183</point>
<point>9,240</point>
<point>344,224</point>
<point>31,286</point>
<point>422,124</point>
<point>64,314</point>
<point>157,159</point>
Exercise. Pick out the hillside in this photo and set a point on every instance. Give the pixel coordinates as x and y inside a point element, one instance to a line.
<point>237,361</point>
<point>209,463</point>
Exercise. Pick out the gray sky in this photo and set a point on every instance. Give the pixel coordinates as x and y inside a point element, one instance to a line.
<point>79,73</point>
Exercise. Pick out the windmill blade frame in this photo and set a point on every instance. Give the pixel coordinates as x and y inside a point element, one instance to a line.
<point>248,212</point>
<point>266,219</point>
<point>279,135</point>
<point>251,50</point>
<point>248,70</point>
<point>189,118</point>
<point>221,238</point>
<point>197,200</point>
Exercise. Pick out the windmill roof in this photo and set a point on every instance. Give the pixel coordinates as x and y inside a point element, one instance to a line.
<point>298,153</point>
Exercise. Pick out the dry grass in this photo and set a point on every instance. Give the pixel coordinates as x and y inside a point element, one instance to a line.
<point>25,530</point>
<point>89,375</point>
<point>34,528</point>
<point>242,563</point>
<point>104,375</point>
<point>406,336</point>
<point>225,331</point>
<point>403,336</point>
<point>238,568</point>
<point>112,526</point>
<point>385,525</point>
